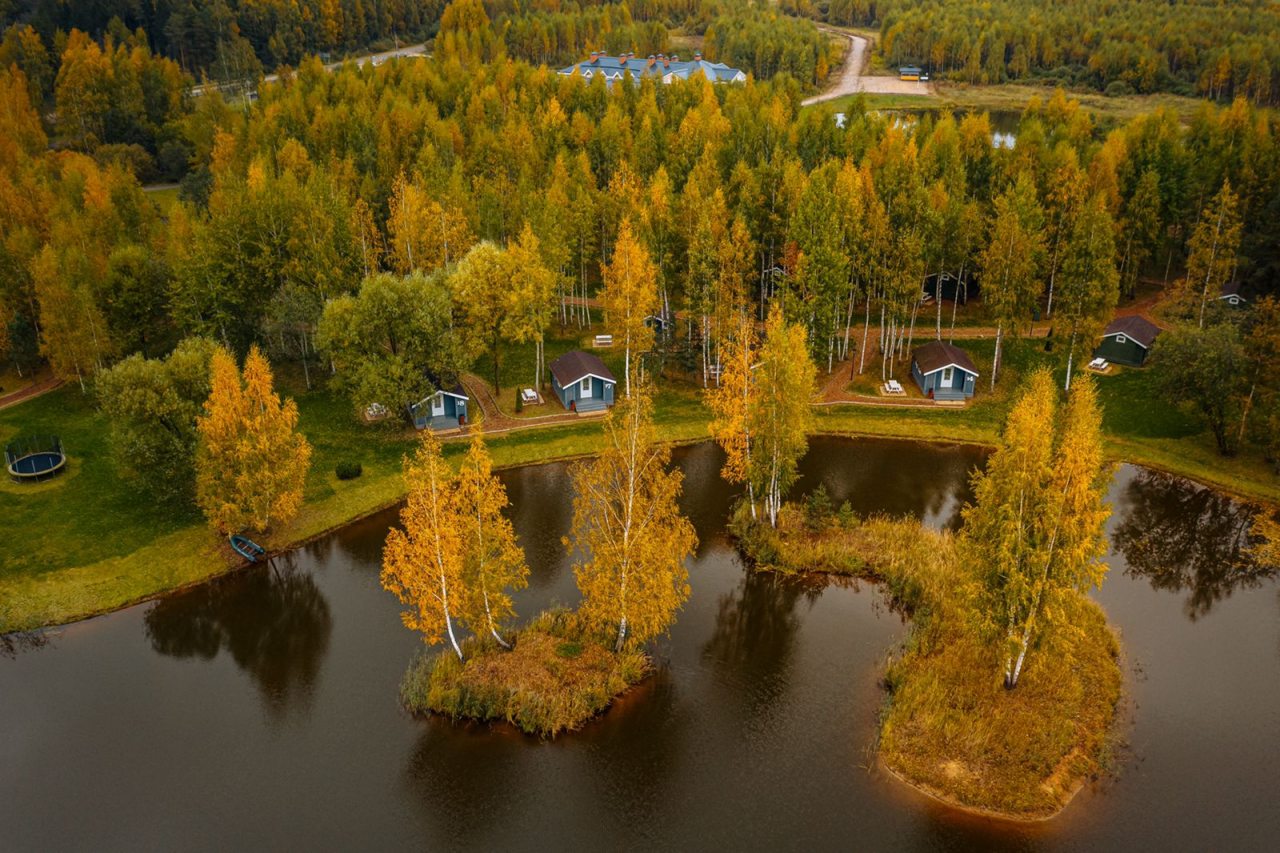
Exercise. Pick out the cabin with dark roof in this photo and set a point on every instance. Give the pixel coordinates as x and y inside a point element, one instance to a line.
<point>943,371</point>
<point>1127,340</point>
<point>446,409</point>
<point>582,382</point>
<point>950,287</point>
<point>1231,295</point>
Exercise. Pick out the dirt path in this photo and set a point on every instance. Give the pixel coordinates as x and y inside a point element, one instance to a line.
<point>24,394</point>
<point>852,80</point>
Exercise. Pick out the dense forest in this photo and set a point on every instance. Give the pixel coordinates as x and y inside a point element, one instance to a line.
<point>1207,47</point>
<point>331,178</point>
<point>233,40</point>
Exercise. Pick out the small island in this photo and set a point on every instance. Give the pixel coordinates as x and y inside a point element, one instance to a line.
<point>1003,697</point>
<point>456,562</point>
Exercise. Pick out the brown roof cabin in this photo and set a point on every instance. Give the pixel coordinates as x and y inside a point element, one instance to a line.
<point>582,382</point>
<point>1127,340</point>
<point>944,371</point>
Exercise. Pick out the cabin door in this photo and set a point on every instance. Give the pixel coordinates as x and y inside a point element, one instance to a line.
<point>585,388</point>
<point>437,406</point>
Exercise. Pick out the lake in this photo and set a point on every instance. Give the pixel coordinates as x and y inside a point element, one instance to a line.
<point>261,710</point>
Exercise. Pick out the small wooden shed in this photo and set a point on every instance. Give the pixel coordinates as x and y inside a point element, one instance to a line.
<point>582,382</point>
<point>944,371</point>
<point>1127,340</point>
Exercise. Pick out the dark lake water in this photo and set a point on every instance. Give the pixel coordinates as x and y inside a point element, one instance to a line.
<point>260,711</point>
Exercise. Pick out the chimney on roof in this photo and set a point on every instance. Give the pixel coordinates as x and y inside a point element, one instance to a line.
<point>675,57</point>
<point>649,64</point>
<point>595,54</point>
<point>697,56</point>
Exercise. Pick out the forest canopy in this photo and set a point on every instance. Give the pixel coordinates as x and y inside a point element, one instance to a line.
<point>1205,47</point>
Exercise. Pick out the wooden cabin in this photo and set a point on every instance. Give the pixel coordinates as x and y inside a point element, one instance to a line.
<point>1231,295</point>
<point>910,72</point>
<point>1127,340</point>
<point>443,410</point>
<point>944,371</point>
<point>582,382</point>
<point>953,288</point>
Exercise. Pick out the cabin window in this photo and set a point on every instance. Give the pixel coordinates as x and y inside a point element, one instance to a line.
<point>1120,339</point>
<point>946,376</point>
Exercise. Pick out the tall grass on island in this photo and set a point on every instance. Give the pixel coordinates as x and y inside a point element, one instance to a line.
<point>555,677</point>
<point>949,727</point>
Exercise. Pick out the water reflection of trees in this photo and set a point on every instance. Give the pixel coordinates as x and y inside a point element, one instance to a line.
<point>1182,536</point>
<point>755,632</point>
<point>892,477</point>
<point>273,621</point>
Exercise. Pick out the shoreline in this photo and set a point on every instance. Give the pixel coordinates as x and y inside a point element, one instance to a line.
<point>210,550</point>
<point>1061,780</point>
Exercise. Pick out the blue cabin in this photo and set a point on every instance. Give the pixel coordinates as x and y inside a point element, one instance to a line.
<point>582,382</point>
<point>943,371</point>
<point>445,409</point>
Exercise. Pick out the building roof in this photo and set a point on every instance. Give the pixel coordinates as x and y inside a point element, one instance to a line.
<point>665,68</point>
<point>1138,329</point>
<point>575,365</point>
<point>936,355</point>
<point>1231,288</point>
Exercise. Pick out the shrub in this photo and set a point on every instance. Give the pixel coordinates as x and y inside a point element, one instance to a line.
<point>818,509</point>
<point>348,470</point>
<point>519,402</point>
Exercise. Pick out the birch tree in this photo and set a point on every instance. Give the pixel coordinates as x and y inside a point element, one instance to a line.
<point>630,294</point>
<point>1211,252</point>
<point>628,527</point>
<point>781,413</point>
<point>1090,284</point>
<point>532,296</point>
<point>423,565</point>
<point>1035,532</point>
<point>732,403</point>
<point>493,564</point>
<point>1011,262</point>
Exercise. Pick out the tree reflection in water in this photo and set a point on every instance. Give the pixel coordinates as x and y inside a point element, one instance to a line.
<point>1182,536</point>
<point>755,633</point>
<point>273,621</point>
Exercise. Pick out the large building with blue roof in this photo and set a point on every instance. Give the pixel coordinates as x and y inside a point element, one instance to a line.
<point>658,66</point>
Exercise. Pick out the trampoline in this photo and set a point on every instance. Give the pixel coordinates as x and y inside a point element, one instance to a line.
<point>35,458</point>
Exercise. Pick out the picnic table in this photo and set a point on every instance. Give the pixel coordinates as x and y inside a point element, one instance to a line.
<point>603,341</point>
<point>530,396</point>
<point>893,387</point>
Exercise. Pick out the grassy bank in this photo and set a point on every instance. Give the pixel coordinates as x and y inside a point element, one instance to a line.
<point>553,679</point>
<point>949,728</point>
<point>91,541</point>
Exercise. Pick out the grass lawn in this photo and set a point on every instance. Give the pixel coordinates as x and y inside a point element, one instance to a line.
<point>90,541</point>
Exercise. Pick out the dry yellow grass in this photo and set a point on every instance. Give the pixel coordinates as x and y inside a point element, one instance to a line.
<point>553,679</point>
